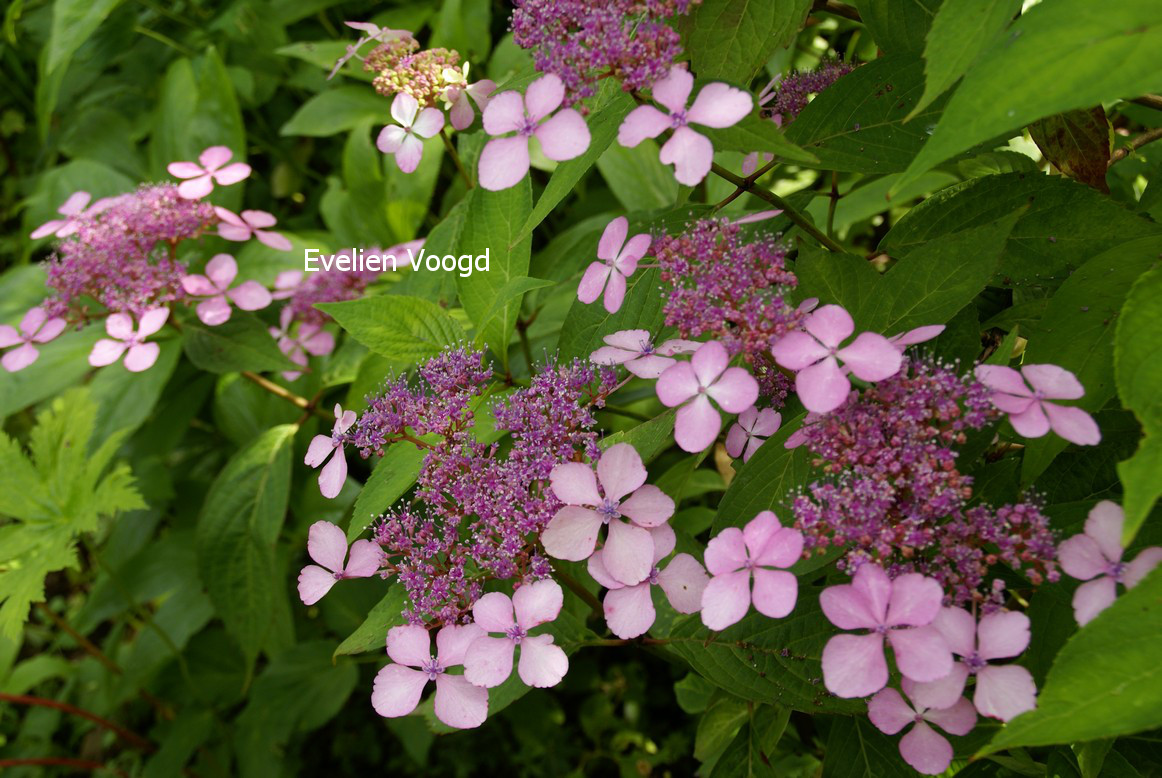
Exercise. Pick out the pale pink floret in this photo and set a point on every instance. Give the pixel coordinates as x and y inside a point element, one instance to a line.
<point>757,216</point>
<point>310,339</point>
<point>629,610</point>
<point>815,354</point>
<point>210,168</point>
<point>35,327</point>
<point>634,350</point>
<point>918,335</point>
<point>327,546</point>
<point>72,210</point>
<point>618,261</point>
<point>750,431</point>
<point>1024,397</point>
<point>1002,691</point>
<point>505,159</point>
<point>923,748</point>
<point>334,474</point>
<point>215,286</point>
<point>460,113</point>
<point>799,436</point>
<point>240,227</point>
<point>705,377</point>
<point>374,33</point>
<point>1095,557</point>
<point>488,662</point>
<point>398,687</point>
<point>901,610</point>
<point>572,533</point>
<point>759,552</point>
<point>286,284</point>
<point>123,339</point>
<point>718,105</point>
<point>404,141</point>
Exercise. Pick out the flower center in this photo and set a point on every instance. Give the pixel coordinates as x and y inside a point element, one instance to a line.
<point>608,511</point>
<point>337,576</point>
<point>653,576</point>
<point>678,119</point>
<point>974,663</point>
<point>431,668</point>
<point>1116,570</point>
<point>881,629</point>
<point>528,126</point>
<point>515,633</point>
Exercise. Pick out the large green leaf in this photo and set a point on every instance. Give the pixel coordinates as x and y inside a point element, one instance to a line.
<point>766,481</point>
<point>767,660</point>
<point>586,325</point>
<point>73,23</point>
<point>237,529</point>
<point>756,134</point>
<point>1105,682</point>
<point>1077,333</point>
<point>403,329</point>
<point>637,177</point>
<point>750,754</point>
<point>898,25</point>
<point>337,110</point>
<point>857,123</point>
<point>242,343</point>
<point>371,635</point>
<point>732,39</point>
<point>1058,56</point>
<point>1065,225</point>
<point>493,224</point>
<point>856,749</point>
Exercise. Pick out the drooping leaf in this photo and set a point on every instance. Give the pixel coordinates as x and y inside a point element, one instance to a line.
<point>1078,143</point>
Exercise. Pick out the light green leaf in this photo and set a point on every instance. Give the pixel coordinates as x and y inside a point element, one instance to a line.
<point>1056,57</point>
<point>637,177</point>
<point>755,134</point>
<point>511,293</point>
<point>1105,682</point>
<point>732,39</point>
<point>372,633</point>
<point>237,529</point>
<point>337,110</point>
<point>1138,351</point>
<point>404,329</point>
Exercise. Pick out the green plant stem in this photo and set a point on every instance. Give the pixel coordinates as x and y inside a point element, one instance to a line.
<point>755,176</point>
<point>456,159</point>
<point>587,596</point>
<point>797,218</point>
<point>1136,143</point>
<point>1150,101</point>
<point>286,394</point>
<point>132,738</point>
<point>834,201</point>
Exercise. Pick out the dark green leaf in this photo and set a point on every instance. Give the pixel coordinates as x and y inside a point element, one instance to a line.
<point>898,25</point>
<point>337,110</point>
<point>732,39</point>
<point>243,343</point>
<point>755,134</point>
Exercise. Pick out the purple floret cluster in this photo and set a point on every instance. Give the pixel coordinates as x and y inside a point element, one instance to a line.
<point>123,252</point>
<point>896,497</point>
<point>582,41</point>
<point>478,507</point>
<point>794,92</point>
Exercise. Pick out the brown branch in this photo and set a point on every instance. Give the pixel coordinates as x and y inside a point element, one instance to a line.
<point>58,761</point>
<point>286,394</point>
<point>129,737</point>
<point>1150,101</point>
<point>748,181</point>
<point>1136,143</point>
<point>797,218</point>
<point>837,9</point>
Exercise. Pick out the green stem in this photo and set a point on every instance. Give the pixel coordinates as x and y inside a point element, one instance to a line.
<point>797,218</point>
<point>456,159</point>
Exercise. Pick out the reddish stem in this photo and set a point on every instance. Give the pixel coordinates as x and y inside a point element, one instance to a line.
<point>132,738</point>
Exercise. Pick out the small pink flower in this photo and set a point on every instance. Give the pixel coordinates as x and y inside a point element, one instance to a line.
<point>1095,557</point>
<point>250,223</point>
<point>1029,411</point>
<point>488,662</point>
<point>925,750</point>
<point>799,436</point>
<point>619,260</point>
<point>286,284</point>
<point>327,545</point>
<point>901,611</point>
<point>718,105</point>
<point>215,285</point>
<point>404,140</point>
<point>334,475</point>
<point>1002,691</point>
<point>635,350</point>
<point>398,687</point>
<point>705,376</point>
<point>456,100</point>
<point>918,335</point>
<point>736,556</point>
<point>207,171</point>
<point>35,327</point>
<point>750,163</point>
<point>750,431</point>
<point>815,355</point>
<point>505,160</point>
<point>572,533</point>
<point>72,210</point>
<point>139,355</point>
<point>629,610</point>
<point>310,339</point>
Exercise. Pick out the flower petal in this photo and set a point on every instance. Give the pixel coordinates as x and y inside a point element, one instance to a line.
<point>314,582</point>
<point>1032,422</point>
<point>458,703</point>
<point>396,691</point>
<point>1002,379</point>
<point>1053,382</point>
<point>614,292</point>
<point>612,239</point>
<point>736,440</point>
<point>1003,692</point>
<point>1002,635</point>
<point>404,108</point>
<point>250,296</point>
<point>505,113</point>
<point>542,664</point>
<point>697,425</point>
<point>926,750</point>
<point>822,387</point>
<point>141,357</point>
<point>677,384</point>
<point>184,169</point>
<point>575,483</point>
<point>333,475</point>
<point>20,358</point>
<point>629,611</point>
<point>683,581</point>
<point>1093,597</point>
<point>215,157</point>
<point>106,352</point>
<point>735,390</point>
<point>152,321</point>
<point>726,552</point>
<point>503,162</point>
<point>537,603</point>
<point>214,311</point>
<point>597,570</point>
<point>643,122</point>
<point>720,105</point>
<point>854,665</point>
<point>364,560</point>
<point>593,282</point>
<point>544,96</point>
<point>725,600</point>
<point>673,91</point>
<point>691,155</point>
<point>915,601</point>
<point>1142,566</point>
<point>492,612</point>
<point>620,471</point>
<point>889,712</point>
<point>196,188</point>
<point>488,662</point>
<point>957,719</point>
<point>958,627</point>
<point>409,645</point>
<point>647,507</point>
<point>327,545</point>
<point>628,553</point>
<point>407,157</point>
<point>830,324</point>
<point>941,693</point>
<point>232,174</point>
<point>1073,424</point>
<point>390,138</point>
<point>429,122</point>
<point>921,653</point>
<point>775,592</point>
<point>453,641</point>
<point>1081,557</point>
<point>797,350</point>
<point>563,137</point>
<point>871,357</point>
<point>572,533</point>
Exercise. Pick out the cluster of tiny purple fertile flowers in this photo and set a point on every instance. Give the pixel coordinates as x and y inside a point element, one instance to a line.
<point>792,93</point>
<point>122,252</point>
<point>478,508</point>
<point>302,291</point>
<point>581,41</point>
<point>897,498</point>
<point>732,288</point>
<point>400,67</point>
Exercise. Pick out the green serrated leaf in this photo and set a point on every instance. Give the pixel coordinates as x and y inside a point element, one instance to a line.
<point>404,329</point>
<point>755,134</point>
<point>243,343</point>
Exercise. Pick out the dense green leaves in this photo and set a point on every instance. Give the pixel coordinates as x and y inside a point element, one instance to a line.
<point>757,134</point>
<point>1105,682</point>
<point>403,329</point>
<point>731,39</point>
